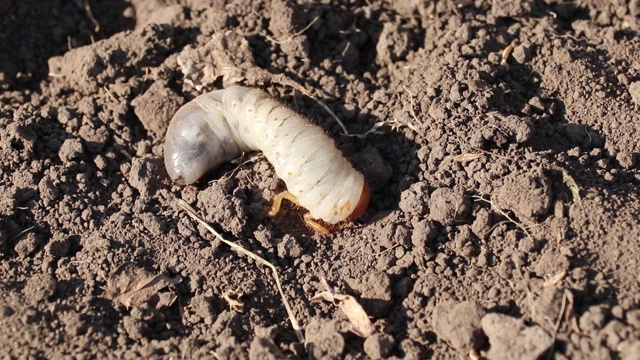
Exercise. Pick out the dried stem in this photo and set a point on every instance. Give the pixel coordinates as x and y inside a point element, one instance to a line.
<point>191,211</point>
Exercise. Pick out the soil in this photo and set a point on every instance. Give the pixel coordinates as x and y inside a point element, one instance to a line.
<point>505,212</point>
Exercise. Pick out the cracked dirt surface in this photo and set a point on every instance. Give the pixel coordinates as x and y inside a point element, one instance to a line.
<point>504,174</point>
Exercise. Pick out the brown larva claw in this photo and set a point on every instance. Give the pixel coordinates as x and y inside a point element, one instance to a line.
<point>308,220</point>
<point>277,202</point>
<point>314,225</point>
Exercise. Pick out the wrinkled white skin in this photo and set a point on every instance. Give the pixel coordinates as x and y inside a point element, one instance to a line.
<point>218,126</point>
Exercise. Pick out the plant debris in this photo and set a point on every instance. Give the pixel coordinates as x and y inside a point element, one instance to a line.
<point>360,323</point>
<point>233,299</point>
<point>131,286</point>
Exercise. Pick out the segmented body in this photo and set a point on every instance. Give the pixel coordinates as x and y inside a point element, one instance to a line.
<point>218,126</point>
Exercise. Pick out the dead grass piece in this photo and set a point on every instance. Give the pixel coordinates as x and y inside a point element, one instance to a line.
<point>360,323</point>
<point>291,37</point>
<point>240,162</point>
<point>555,280</point>
<point>413,113</point>
<point>474,355</point>
<point>506,53</point>
<point>85,4</point>
<point>467,157</point>
<point>20,234</point>
<point>233,299</point>
<point>191,211</point>
<point>132,286</point>
<point>573,187</point>
<point>567,313</point>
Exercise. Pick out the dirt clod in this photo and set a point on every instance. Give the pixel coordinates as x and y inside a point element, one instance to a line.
<point>40,287</point>
<point>325,341</point>
<point>460,325</point>
<point>394,43</point>
<point>58,248</point>
<point>634,90</point>
<point>415,200</point>
<point>449,206</point>
<point>499,139</point>
<point>263,347</point>
<point>379,346</point>
<point>156,107</point>
<point>28,245</point>
<point>528,196</point>
<point>376,169</point>
<point>511,336</point>
<point>289,247</point>
<point>70,150</point>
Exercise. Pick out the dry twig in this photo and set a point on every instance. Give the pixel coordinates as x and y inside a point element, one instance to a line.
<point>467,157</point>
<point>373,130</point>
<point>292,36</point>
<point>504,213</point>
<point>191,211</point>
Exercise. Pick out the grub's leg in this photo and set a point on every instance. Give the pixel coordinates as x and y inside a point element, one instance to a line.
<point>277,202</point>
<point>314,225</point>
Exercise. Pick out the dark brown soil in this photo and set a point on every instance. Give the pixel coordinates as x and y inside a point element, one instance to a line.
<point>505,213</point>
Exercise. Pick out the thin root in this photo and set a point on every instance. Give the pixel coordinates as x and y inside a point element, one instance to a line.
<point>413,113</point>
<point>504,213</point>
<point>373,130</point>
<point>294,323</point>
<point>291,37</point>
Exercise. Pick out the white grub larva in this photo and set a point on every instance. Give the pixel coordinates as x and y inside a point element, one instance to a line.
<point>217,127</point>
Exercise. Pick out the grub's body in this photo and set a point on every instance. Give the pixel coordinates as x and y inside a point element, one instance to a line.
<point>218,126</point>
